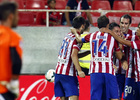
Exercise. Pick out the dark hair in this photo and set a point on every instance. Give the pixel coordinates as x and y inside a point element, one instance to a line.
<point>102,21</point>
<point>87,24</point>
<point>49,1</point>
<point>78,21</point>
<point>127,16</point>
<point>112,25</point>
<point>6,8</point>
<point>138,24</point>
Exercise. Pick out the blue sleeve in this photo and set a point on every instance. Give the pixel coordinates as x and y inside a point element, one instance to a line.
<point>83,40</point>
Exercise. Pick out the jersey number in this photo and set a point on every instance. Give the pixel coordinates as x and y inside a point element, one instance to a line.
<point>64,47</point>
<point>102,48</point>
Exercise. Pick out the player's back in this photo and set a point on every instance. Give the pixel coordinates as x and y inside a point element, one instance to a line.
<point>65,65</point>
<point>102,47</point>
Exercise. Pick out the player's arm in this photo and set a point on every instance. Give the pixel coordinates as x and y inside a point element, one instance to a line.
<point>16,62</point>
<point>83,54</point>
<point>78,37</point>
<point>118,55</point>
<point>67,16</point>
<point>119,39</point>
<point>89,17</point>
<point>75,60</point>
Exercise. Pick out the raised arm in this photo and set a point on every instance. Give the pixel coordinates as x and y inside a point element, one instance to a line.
<point>78,37</point>
<point>119,39</point>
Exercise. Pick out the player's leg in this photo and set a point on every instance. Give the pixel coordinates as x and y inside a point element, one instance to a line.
<point>137,90</point>
<point>70,85</point>
<point>97,85</point>
<point>121,84</point>
<point>74,98</point>
<point>58,89</point>
<point>129,91</point>
<point>112,90</point>
<point>63,98</point>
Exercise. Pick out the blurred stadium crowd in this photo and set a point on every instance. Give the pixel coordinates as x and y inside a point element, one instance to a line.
<point>38,18</point>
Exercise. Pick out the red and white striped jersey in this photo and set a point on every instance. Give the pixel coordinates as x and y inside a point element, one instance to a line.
<point>136,46</point>
<point>65,65</point>
<point>101,47</point>
<point>130,55</point>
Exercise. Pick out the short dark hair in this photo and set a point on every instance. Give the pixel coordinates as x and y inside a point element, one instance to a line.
<point>102,21</point>
<point>49,1</point>
<point>138,24</point>
<point>78,21</point>
<point>127,16</point>
<point>6,8</point>
<point>87,24</point>
<point>112,25</point>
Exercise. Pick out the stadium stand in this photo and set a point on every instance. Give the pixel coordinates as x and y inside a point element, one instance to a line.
<point>60,4</point>
<point>137,5</point>
<point>115,16</point>
<point>135,19</point>
<point>26,19</point>
<point>94,16</point>
<point>20,3</point>
<point>39,20</point>
<point>35,4</point>
<point>122,5</point>
<point>103,5</point>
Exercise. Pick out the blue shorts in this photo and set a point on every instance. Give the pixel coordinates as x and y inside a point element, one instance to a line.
<point>121,83</point>
<point>103,86</point>
<point>65,86</point>
<point>129,91</point>
<point>137,90</point>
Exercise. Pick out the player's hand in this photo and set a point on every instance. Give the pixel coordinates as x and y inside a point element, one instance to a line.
<point>13,87</point>
<point>125,65</point>
<point>115,67</point>
<point>73,30</point>
<point>81,74</point>
<point>68,24</point>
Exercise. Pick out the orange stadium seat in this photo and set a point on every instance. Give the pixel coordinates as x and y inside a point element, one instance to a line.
<point>122,5</point>
<point>137,5</point>
<point>115,16</point>
<point>95,16</point>
<point>60,4</point>
<point>35,4</point>
<point>135,19</point>
<point>104,5</point>
<point>26,19</point>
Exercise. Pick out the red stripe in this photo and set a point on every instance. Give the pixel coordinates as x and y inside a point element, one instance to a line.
<point>136,67</point>
<point>68,66</point>
<point>57,68</point>
<point>108,45</point>
<point>93,38</point>
<point>67,48</point>
<point>62,66</point>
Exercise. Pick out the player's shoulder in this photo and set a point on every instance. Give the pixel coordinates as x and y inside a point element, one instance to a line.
<point>15,35</point>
